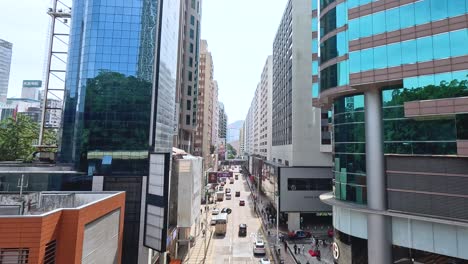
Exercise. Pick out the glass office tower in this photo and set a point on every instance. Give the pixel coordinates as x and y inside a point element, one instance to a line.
<point>396,76</point>
<point>119,105</point>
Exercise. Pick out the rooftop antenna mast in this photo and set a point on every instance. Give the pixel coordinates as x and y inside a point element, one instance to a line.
<point>57,55</point>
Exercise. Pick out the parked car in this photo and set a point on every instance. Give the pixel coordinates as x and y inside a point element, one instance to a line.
<point>215,211</point>
<point>242,230</point>
<point>241,202</point>
<point>231,180</point>
<point>264,261</point>
<point>259,247</point>
<point>228,190</point>
<point>213,222</point>
<point>236,177</point>
<point>228,196</point>
<point>297,234</point>
<point>237,194</point>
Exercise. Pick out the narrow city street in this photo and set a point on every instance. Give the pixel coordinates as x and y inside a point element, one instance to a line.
<point>231,248</point>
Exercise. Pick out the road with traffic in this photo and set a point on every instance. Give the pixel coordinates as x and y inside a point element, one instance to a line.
<point>231,248</point>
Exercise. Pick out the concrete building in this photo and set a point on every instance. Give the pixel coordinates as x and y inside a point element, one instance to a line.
<point>6,111</point>
<point>265,110</point>
<point>53,117</point>
<point>31,89</point>
<point>187,78</point>
<point>118,118</point>
<point>295,124</point>
<point>215,118</point>
<point>296,169</point>
<point>242,141</point>
<point>223,119</point>
<point>395,73</point>
<point>203,135</point>
<point>6,50</point>
<point>62,227</point>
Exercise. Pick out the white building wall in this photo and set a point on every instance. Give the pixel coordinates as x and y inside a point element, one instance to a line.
<point>306,120</point>
<point>101,240</point>
<point>449,240</point>
<point>189,190</point>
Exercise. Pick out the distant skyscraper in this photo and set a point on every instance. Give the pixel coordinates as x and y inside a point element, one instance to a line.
<point>119,105</point>
<point>6,49</point>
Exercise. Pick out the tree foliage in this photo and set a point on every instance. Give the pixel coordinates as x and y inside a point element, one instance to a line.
<point>17,138</point>
<point>232,153</point>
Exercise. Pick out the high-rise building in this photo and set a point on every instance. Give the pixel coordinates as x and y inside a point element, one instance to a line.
<point>295,124</point>
<point>396,75</point>
<point>265,109</point>
<point>215,118</point>
<point>30,89</point>
<point>203,135</point>
<point>118,121</point>
<point>242,141</point>
<point>223,119</point>
<point>188,67</point>
<point>6,50</point>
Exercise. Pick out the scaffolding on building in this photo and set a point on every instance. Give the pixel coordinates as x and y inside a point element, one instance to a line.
<point>55,69</point>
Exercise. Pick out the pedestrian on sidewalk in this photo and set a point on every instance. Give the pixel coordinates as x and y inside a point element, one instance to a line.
<point>303,249</point>
<point>295,249</point>
<point>285,246</point>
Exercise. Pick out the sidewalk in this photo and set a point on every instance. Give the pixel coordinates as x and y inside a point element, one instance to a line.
<point>289,257</point>
<point>304,257</point>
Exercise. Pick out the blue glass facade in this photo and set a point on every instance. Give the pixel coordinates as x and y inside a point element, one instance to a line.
<point>120,94</point>
<point>402,135</point>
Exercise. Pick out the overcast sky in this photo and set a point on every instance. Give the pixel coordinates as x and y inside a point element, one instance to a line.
<point>239,33</point>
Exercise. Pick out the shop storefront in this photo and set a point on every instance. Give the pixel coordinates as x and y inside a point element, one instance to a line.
<point>349,249</point>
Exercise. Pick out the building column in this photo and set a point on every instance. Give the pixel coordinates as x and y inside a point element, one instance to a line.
<point>294,221</point>
<point>379,241</point>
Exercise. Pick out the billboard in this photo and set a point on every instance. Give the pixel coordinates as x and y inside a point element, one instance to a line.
<point>212,177</point>
<point>32,83</point>
<point>222,174</point>
<point>300,188</point>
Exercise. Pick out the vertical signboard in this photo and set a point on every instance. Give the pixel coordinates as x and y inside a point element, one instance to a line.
<point>157,193</point>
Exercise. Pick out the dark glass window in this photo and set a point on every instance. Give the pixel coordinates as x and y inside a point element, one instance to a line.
<point>190,76</point>
<point>189,105</point>
<point>304,184</point>
<point>189,90</point>
<point>328,22</point>
<point>328,49</point>
<point>192,20</point>
<point>193,4</point>
<point>190,62</point>
<point>192,34</point>
<point>329,77</point>
<point>187,120</point>
<point>462,126</point>
<point>325,3</point>
<point>191,48</point>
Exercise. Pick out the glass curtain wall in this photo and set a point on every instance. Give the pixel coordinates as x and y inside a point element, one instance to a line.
<point>402,135</point>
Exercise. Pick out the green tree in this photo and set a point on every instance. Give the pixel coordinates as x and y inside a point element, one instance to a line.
<point>232,153</point>
<point>17,137</point>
